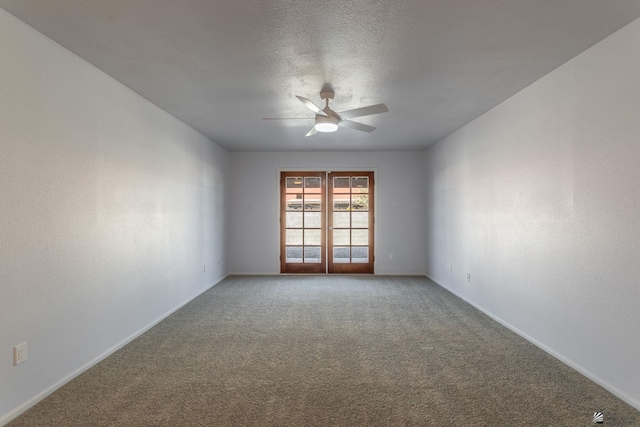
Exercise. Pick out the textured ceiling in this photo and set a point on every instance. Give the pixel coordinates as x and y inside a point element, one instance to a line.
<point>221,66</point>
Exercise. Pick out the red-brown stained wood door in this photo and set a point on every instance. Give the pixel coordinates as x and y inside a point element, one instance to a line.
<point>303,222</point>
<point>350,222</point>
<point>326,222</point>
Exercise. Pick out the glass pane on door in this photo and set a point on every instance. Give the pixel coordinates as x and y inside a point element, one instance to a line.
<point>360,255</point>
<point>342,254</point>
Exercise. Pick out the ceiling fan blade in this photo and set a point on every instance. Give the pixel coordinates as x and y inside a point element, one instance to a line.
<point>364,111</point>
<point>356,125</point>
<point>288,118</point>
<point>313,107</point>
<point>312,132</point>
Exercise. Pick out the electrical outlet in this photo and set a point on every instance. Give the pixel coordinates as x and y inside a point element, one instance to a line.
<point>451,268</point>
<point>19,354</point>
<point>468,277</point>
<point>390,255</point>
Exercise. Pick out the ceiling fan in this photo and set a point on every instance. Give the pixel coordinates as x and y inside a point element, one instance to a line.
<point>328,120</point>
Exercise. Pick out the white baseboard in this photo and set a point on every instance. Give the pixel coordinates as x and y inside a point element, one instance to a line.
<point>596,379</point>
<point>271,273</point>
<point>40,396</point>
<point>401,274</point>
<point>324,274</point>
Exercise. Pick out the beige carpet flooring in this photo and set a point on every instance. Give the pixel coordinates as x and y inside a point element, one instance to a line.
<point>329,351</point>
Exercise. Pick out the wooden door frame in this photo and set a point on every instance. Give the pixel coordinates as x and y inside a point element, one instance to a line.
<point>282,212</point>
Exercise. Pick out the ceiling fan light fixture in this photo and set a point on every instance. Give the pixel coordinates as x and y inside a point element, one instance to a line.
<point>328,123</point>
<point>326,127</point>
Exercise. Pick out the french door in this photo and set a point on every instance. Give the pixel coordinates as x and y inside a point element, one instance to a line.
<point>326,222</point>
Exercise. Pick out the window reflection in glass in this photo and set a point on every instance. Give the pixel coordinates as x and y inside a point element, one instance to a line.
<point>341,254</point>
<point>312,219</point>
<point>360,219</point>
<point>360,202</point>
<point>293,236</point>
<point>359,254</point>
<point>341,237</point>
<point>293,220</point>
<point>341,220</point>
<point>294,185</point>
<point>360,237</point>
<point>294,254</point>
<point>312,254</point>
<point>313,184</point>
<point>312,237</point>
<point>359,184</point>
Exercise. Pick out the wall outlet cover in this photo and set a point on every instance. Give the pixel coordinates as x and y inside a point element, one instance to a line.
<point>19,354</point>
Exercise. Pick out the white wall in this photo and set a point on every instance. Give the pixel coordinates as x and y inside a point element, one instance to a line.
<point>399,204</point>
<point>109,208</point>
<point>538,200</point>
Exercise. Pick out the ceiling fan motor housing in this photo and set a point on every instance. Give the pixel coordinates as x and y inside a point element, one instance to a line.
<point>327,123</point>
<point>327,94</point>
